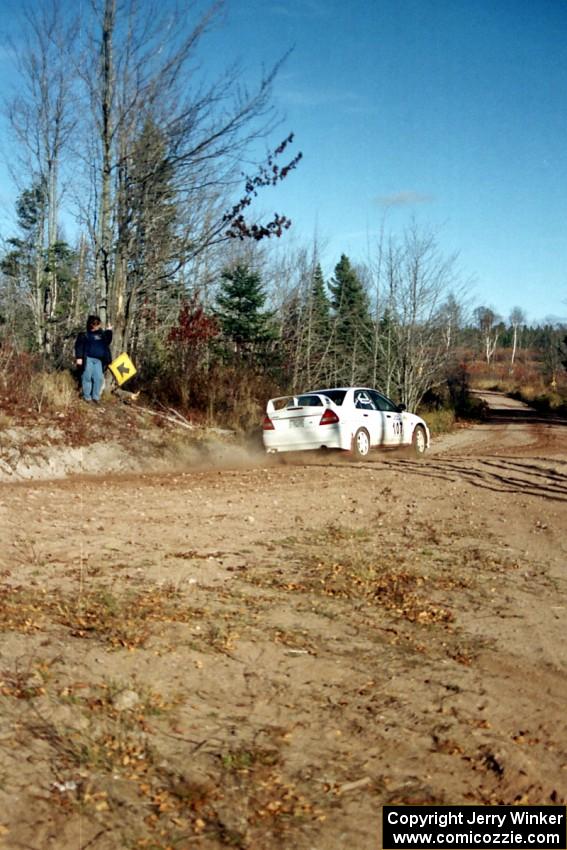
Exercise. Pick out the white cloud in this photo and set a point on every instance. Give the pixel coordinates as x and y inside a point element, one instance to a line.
<point>348,101</point>
<point>403,199</point>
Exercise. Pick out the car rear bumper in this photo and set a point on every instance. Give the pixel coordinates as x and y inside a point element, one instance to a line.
<point>298,441</point>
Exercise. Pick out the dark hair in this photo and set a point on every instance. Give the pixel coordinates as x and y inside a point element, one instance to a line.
<point>92,321</point>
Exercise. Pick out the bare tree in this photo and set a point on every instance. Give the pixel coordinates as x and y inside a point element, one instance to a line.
<point>452,312</point>
<point>487,321</point>
<point>42,120</point>
<point>517,320</point>
<point>139,72</point>
<point>419,283</point>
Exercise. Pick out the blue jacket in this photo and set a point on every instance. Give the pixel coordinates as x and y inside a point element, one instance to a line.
<point>94,344</point>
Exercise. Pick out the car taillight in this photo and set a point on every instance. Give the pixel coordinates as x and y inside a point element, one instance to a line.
<point>329,417</point>
<point>267,424</point>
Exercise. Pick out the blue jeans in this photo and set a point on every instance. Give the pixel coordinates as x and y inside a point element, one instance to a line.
<point>92,379</point>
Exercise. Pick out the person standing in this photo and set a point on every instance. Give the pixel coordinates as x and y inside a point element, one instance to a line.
<point>92,355</point>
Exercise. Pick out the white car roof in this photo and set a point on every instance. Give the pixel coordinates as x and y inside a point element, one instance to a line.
<point>342,389</point>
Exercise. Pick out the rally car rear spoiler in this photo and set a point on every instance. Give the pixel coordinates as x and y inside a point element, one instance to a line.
<point>282,402</point>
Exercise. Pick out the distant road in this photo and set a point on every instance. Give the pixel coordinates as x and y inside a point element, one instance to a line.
<point>499,401</point>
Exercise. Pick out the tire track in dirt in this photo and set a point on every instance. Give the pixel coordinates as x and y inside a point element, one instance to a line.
<point>498,475</point>
<point>514,452</point>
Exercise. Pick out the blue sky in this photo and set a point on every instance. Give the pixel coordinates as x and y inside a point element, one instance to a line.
<point>452,111</point>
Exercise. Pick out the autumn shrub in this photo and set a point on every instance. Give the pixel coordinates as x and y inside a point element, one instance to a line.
<point>527,393</point>
<point>17,370</point>
<point>528,374</point>
<point>208,377</point>
<point>493,376</point>
<point>178,366</point>
<point>151,360</point>
<point>503,376</point>
<point>437,410</point>
<point>28,387</point>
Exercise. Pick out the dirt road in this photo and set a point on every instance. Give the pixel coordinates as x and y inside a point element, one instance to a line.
<point>262,657</point>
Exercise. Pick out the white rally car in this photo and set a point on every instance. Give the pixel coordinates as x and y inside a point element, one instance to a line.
<point>354,419</point>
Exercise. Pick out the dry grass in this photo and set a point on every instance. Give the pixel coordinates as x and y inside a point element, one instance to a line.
<point>549,402</point>
<point>118,620</point>
<point>55,391</point>
<point>358,571</point>
<point>115,766</point>
<point>439,421</point>
<point>527,378</point>
<point>494,384</point>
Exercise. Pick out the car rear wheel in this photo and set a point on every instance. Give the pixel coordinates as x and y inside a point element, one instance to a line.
<point>419,441</point>
<point>361,444</point>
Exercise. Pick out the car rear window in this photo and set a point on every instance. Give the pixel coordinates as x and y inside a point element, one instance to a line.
<point>309,401</point>
<point>336,396</point>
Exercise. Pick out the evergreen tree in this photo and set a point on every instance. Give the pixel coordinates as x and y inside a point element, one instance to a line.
<point>240,310</point>
<point>152,254</point>
<point>320,329</point>
<point>36,289</point>
<point>320,304</point>
<point>151,211</point>
<point>23,267</point>
<point>352,323</point>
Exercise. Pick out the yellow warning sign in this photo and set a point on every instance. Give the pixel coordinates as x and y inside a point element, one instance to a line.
<point>122,368</point>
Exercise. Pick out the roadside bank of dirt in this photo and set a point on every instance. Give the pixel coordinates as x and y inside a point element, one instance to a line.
<point>115,438</point>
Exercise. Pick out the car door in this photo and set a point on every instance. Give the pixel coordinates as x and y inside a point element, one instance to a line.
<point>368,416</point>
<point>392,420</point>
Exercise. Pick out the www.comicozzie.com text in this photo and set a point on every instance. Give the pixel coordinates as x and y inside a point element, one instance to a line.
<point>444,819</point>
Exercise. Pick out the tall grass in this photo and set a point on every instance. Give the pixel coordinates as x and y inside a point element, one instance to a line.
<point>440,421</point>
<point>53,391</point>
<point>27,387</point>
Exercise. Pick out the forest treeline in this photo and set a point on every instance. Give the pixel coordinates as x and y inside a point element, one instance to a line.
<point>157,168</point>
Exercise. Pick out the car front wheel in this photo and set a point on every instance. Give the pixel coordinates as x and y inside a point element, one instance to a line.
<point>419,441</point>
<point>361,444</point>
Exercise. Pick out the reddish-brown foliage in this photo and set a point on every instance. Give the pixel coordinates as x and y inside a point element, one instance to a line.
<point>195,327</point>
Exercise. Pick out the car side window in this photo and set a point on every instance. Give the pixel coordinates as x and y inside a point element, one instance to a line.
<point>383,403</point>
<point>362,401</point>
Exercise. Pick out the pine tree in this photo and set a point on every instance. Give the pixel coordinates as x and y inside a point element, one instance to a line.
<point>352,323</point>
<point>320,328</point>
<point>240,310</point>
<point>320,304</point>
